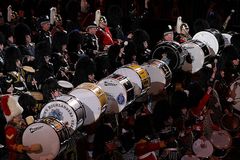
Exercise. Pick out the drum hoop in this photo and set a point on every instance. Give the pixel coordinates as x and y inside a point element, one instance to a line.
<point>145,86</point>
<point>102,95</point>
<point>227,129</point>
<point>169,46</point>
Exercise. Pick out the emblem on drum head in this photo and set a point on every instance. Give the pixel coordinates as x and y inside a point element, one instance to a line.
<point>57,114</point>
<point>120,99</point>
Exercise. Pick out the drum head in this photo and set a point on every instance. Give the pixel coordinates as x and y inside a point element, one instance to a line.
<point>117,94</point>
<point>197,56</point>
<point>29,69</point>
<point>209,39</point>
<point>61,110</point>
<point>221,139</point>
<point>169,52</point>
<point>41,133</point>
<point>91,104</point>
<point>202,148</point>
<point>65,84</point>
<point>133,76</point>
<point>189,157</point>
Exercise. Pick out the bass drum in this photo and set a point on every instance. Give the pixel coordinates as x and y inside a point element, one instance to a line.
<point>50,133</point>
<point>119,90</point>
<point>67,109</point>
<point>160,75</point>
<point>199,53</point>
<point>212,38</point>
<point>171,53</point>
<point>138,76</point>
<point>93,98</point>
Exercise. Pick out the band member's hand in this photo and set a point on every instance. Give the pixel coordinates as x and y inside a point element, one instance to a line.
<point>36,148</point>
<point>209,90</point>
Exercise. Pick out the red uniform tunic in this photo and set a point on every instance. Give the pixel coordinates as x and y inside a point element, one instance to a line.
<point>104,37</point>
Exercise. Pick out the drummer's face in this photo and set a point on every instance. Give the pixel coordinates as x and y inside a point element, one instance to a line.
<point>235,62</point>
<point>168,37</point>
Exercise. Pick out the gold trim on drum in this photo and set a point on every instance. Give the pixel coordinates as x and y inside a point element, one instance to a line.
<point>143,74</point>
<point>96,90</point>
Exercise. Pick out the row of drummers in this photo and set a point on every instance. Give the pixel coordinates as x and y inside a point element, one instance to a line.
<point>84,104</point>
<point>192,55</point>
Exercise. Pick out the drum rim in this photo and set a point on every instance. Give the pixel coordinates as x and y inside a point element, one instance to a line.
<point>177,65</point>
<point>216,47</point>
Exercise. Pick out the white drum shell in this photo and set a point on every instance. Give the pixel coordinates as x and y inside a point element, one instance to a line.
<point>117,93</point>
<point>52,140</point>
<point>91,104</point>
<point>67,109</point>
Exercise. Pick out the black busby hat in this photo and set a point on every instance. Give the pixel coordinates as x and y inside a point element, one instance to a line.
<point>12,53</point>
<point>20,31</point>
<point>43,49</point>
<point>2,39</point>
<point>58,39</point>
<point>230,53</point>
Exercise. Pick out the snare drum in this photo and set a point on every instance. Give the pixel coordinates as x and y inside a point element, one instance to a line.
<point>189,157</point>
<point>93,98</point>
<point>50,133</point>
<point>222,141</point>
<point>67,109</point>
<point>159,73</point>
<point>119,90</point>
<point>138,76</point>
<point>171,53</point>
<point>212,38</point>
<point>202,148</point>
<point>199,53</point>
<point>235,87</point>
<point>65,85</point>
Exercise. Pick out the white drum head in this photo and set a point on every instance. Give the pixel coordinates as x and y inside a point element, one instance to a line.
<point>65,84</point>
<point>116,92</point>
<point>227,39</point>
<point>202,148</point>
<point>61,111</point>
<point>41,133</point>
<point>91,104</point>
<point>189,157</point>
<point>133,77</point>
<point>197,56</point>
<point>209,39</point>
<point>221,139</point>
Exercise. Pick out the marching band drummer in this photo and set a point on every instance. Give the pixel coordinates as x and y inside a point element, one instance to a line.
<point>14,130</point>
<point>14,82</point>
<point>90,41</point>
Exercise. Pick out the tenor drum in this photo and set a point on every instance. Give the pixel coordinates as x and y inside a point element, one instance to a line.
<point>171,53</point>
<point>222,141</point>
<point>212,38</point>
<point>199,53</point>
<point>202,148</point>
<point>65,86</point>
<point>119,90</point>
<point>138,76</point>
<point>93,98</point>
<point>50,133</point>
<point>160,74</point>
<point>67,109</point>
